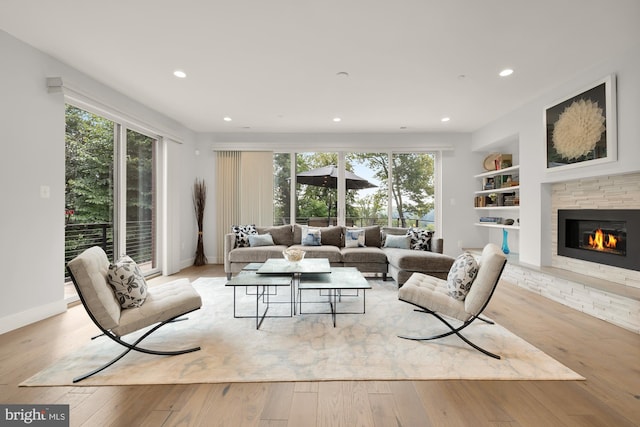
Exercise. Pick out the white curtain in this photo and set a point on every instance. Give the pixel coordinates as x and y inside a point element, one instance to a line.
<point>244,191</point>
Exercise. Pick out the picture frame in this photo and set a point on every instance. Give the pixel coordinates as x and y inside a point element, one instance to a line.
<point>581,129</point>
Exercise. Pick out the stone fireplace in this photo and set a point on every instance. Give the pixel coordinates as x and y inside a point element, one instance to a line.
<point>608,203</point>
<point>586,283</point>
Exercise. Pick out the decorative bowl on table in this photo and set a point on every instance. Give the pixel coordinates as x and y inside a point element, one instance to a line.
<point>293,255</point>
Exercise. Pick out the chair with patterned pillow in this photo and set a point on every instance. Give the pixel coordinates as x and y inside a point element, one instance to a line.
<point>117,301</point>
<point>463,296</point>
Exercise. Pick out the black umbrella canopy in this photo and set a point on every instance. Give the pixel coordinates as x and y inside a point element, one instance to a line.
<point>327,176</point>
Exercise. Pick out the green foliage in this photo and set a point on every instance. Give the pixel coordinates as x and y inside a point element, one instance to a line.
<point>412,189</point>
<point>89,141</point>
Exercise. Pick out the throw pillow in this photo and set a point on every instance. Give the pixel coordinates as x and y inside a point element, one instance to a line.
<point>128,283</point>
<point>311,237</point>
<point>400,242</point>
<point>242,234</point>
<point>420,239</point>
<point>354,238</point>
<point>260,240</point>
<point>461,276</point>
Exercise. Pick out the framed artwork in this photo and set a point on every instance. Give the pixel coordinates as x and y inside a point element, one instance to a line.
<point>581,129</point>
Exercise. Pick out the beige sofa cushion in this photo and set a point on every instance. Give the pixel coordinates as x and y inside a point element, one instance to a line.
<point>332,253</point>
<point>363,255</point>
<point>431,292</point>
<point>163,302</point>
<point>90,272</point>
<point>282,234</point>
<point>406,259</point>
<point>256,254</point>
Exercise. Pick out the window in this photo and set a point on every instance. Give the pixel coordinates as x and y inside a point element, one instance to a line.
<point>111,189</point>
<point>388,189</point>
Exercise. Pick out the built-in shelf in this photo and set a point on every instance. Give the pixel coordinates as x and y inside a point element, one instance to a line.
<point>491,225</point>
<point>493,208</point>
<point>505,171</point>
<point>499,190</point>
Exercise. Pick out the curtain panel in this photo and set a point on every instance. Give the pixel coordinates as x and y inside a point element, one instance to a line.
<point>244,191</point>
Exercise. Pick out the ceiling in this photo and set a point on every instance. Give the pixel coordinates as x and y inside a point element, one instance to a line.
<point>271,65</point>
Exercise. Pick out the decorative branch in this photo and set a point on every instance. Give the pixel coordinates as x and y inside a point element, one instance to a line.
<point>199,202</point>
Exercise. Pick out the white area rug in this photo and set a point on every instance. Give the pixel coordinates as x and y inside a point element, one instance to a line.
<point>307,347</point>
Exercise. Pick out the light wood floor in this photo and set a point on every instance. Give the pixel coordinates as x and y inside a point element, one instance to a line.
<point>608,356</point>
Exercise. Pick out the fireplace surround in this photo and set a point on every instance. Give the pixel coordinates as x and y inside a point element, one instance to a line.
<point>604,236</point>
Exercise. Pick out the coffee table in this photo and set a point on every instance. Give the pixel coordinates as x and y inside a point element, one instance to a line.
<point>262,284</point>
<point>340,279</point>
<point>318,266</point>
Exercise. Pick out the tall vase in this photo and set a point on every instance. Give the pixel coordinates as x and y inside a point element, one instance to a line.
<point>505,241</point>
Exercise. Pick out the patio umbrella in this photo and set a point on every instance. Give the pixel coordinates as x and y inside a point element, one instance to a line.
<point>327,176</point>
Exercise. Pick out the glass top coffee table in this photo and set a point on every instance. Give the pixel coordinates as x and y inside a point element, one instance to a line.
<point>305,266</point>
<point>340,279</point>
<point>262,284</point>
<point>296,269</point>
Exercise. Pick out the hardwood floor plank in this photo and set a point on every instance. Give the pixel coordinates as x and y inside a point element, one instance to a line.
<point>278,404</point>
<point>304,410</point>
<point>383,410</point>
<point>445,404</point>
<point>344,403</point>
<point>411,412</point>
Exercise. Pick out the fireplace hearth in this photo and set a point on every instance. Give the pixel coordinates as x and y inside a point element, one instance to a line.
<point>604,236</point>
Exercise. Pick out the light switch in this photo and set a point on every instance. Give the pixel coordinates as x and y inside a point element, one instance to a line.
<point>45,191</point>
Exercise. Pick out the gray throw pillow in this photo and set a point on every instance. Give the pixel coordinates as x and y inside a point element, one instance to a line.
<point>260,240</point>
<point>400,242</point>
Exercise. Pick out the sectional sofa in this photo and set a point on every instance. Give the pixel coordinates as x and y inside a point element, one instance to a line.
<point>373,257</point>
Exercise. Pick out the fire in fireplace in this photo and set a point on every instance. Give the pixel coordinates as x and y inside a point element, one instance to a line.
<point>606,236</point>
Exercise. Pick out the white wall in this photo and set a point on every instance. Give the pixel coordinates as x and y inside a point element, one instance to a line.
<point>527,123</point>
<point>32,156</point>
<point>457,161</point>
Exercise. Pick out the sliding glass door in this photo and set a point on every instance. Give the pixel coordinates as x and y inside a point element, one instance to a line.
<point>111,189</point>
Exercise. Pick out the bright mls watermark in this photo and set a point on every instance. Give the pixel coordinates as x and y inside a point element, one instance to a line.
<point>34,415</point>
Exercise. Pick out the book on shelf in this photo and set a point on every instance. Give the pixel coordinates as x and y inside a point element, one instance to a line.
<point>490,219</point>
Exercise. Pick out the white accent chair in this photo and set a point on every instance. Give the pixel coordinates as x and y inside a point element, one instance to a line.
<point>164,304</point>
<point>431,295</point>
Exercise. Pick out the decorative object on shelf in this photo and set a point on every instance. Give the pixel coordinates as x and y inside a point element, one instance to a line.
<point>505,241</point>
<point>581,129</point>
<point>489,162</point>
<point>199,202</point>
<point>508,221</point>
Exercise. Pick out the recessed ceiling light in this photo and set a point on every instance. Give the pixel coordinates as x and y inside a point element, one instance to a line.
<point>226,119</point>
<point>445,119</point>
<point>337,119</point>
<point>506,72</point>
<point>180,74</point>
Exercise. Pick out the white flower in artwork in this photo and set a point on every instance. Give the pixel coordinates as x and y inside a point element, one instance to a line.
<point>578,129</point>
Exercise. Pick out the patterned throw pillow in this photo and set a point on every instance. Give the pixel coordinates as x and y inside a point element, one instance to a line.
<point>127,282</point>
<point>354,238</point>
<point>420,239</point>
<point>260,240</point>
<point>311,237</point>
<point>242,234</point>
<point>461,276</point>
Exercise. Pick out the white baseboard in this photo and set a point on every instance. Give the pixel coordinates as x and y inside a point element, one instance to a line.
<point>32,315</point>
